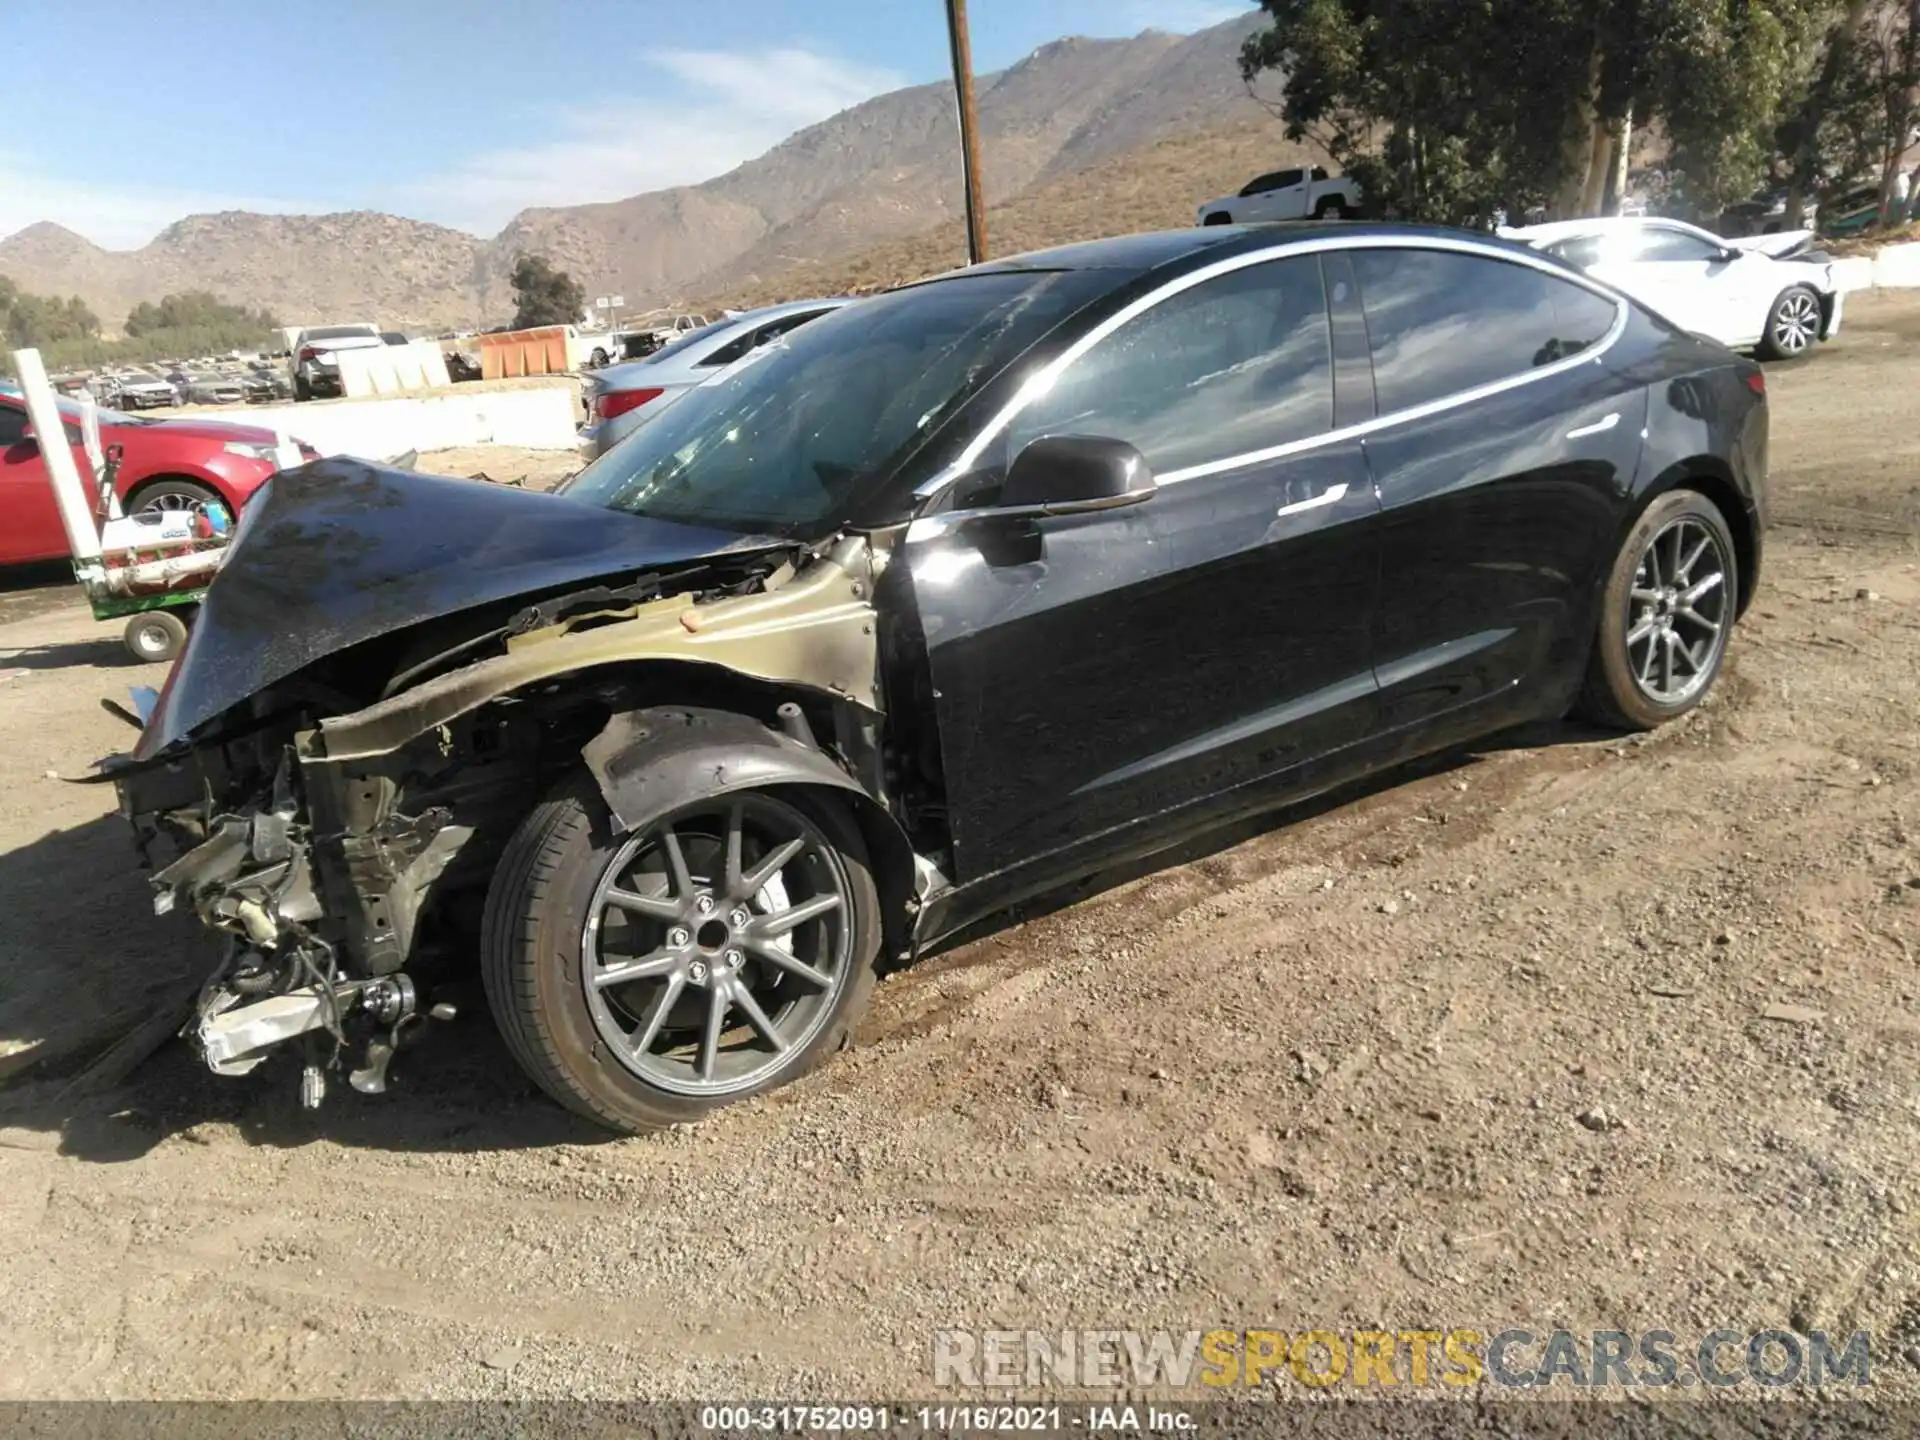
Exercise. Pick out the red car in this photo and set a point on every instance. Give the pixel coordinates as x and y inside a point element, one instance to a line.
<point>165,465</point>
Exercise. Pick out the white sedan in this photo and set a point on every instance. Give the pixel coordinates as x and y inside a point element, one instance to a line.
<point>1758,293</point>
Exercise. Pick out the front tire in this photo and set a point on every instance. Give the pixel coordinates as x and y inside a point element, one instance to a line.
<point>718,949</point>
<point>1793,324</point>
<point>172,496</point>
<point>1666,615</point>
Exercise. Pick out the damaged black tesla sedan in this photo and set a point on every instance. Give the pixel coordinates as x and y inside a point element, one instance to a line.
<point>948,598</point>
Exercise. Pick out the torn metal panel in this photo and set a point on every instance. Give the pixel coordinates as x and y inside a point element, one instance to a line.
<point>816,631</point>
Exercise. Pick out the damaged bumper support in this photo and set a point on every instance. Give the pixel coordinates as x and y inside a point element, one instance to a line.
<point>253,880</point>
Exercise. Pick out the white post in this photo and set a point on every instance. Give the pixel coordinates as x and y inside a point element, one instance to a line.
<point>286,454</point>
<point>109,501</point>
<point>43,409</point>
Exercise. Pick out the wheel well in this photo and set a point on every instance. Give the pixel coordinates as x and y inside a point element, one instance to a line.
<point>147,483</point>
<point>892,859</point>
<point>1703,477</point>
<point>580,704</point>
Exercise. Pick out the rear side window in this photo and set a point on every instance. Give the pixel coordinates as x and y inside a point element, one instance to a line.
<point>754,339</point>
<point>1440,322</point>
<point>1675,245</point>
<point>1232,365</point>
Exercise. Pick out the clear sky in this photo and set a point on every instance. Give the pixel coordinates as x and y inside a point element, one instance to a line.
<point>457,111</point>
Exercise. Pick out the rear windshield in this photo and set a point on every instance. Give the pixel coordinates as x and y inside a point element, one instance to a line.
<point>343,332</point>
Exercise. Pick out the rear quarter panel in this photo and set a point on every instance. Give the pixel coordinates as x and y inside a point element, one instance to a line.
<point>1707,428</point>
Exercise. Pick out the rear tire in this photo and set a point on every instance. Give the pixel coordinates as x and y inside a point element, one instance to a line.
<point>638,1054</point>
<point>1666,616</point>
<point>301,389</point>
<point>1793,324</point>
<point>154,636</point>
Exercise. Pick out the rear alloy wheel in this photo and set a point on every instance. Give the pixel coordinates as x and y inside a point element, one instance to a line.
<point>1793,324</point>
<point>172,497</point>
<point>1666,616</point>
<point>713,952</point>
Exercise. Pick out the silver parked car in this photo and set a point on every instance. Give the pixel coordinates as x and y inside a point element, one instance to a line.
<point>140,391</point>
<point>622,398</point>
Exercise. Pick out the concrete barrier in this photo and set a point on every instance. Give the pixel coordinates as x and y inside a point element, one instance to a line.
<point>393,369</point>
<point>545,417</point>
<point>1895,267</point>
<point>1853,273</point>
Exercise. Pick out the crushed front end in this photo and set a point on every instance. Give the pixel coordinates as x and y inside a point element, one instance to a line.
<point>349,740</point>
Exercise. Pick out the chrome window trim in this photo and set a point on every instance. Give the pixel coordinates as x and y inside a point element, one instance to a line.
<point>1039,384</point>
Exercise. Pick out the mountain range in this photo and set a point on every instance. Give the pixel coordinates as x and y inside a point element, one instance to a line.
<point>880,173</point>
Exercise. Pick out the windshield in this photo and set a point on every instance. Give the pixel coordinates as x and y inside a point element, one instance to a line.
<point>787,439</point>
<point>341,332</point>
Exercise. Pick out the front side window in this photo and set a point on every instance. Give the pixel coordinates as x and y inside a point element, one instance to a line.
<point>1440,322</point>
<point>1230,366</point>
<point>13,426</point>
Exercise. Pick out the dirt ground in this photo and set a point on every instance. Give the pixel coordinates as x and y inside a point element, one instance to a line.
<point>1330,1075</point>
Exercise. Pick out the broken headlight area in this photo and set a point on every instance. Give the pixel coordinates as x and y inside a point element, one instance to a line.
<point>325,880</point>
<point>251,874</point>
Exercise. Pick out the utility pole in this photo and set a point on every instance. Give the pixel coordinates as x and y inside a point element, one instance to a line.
<point>969,129</point>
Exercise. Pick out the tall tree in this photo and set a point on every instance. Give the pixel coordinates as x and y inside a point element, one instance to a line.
<point>1449,109</point>
<point>543,295</point>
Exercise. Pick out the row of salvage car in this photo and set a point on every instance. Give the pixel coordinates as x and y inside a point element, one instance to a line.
<point>890,621</point>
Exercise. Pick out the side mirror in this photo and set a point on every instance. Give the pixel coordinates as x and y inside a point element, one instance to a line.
<point>1074,474</point>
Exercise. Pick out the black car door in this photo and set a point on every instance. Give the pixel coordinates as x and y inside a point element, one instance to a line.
<point>1503,453</point>
<point>1093,672</point>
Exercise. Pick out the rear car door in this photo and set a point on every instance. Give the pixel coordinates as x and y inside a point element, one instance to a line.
<point>1502,454</point>
<point>1097,670</point>
<point>31,528</point>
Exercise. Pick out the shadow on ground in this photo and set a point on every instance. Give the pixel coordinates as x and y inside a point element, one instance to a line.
<point>101,654</point>
<point>89,962</point>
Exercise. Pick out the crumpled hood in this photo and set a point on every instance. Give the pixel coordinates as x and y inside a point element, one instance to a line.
<point>340,551</point>
<point>1781,244</point>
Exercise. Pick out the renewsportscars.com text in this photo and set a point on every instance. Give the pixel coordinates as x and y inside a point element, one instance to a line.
<point>1515,1359</point>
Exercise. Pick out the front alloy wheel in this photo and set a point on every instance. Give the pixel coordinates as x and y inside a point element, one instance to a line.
<point>717,944</point>
<point>718,948</point>
<point>181,497</point>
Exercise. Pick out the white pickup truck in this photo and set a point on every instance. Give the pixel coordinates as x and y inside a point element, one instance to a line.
<point>1297,194</point>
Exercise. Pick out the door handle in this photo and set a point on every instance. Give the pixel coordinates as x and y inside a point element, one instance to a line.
<point>1599,427</point>
<point>1332,495</point>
